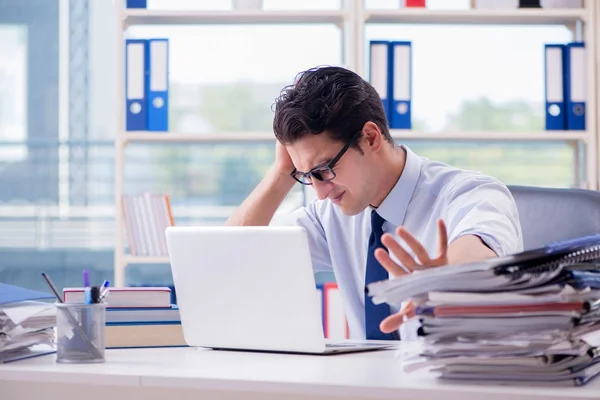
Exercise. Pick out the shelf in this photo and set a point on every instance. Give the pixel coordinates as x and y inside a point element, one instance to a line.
<point>162,137</point>
<point>490,136</point>
<point>479,16</point>
<point>541,136</point>
<point>129,259</point>
<point>160,17</point>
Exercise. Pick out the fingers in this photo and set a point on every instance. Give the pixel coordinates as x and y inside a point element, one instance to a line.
<point>384,259</point>
<point>402,255</point>
<point>414,245</point>
<point>443,238</point>
<point>393,322</point>
<point>405,258</point>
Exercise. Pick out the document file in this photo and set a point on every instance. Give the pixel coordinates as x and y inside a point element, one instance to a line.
<point>14,294</point>
<point>575,73</point>
<point>136,4</point>
<point>401,77</point>
<point>157,84</point>
<point>135,84</point>
<point>554,87</point>
<point>538,324</point>
<point>380,61</point>
<point>26,325</point>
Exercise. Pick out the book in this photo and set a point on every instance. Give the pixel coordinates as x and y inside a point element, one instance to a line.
<point>143,315</point>
<point>126,297</point>
<point>122,335</point>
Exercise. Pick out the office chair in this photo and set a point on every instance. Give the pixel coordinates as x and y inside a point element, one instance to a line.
<point>551,214</point>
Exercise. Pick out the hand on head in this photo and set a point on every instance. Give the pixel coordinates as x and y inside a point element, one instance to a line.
<point>283,161</point>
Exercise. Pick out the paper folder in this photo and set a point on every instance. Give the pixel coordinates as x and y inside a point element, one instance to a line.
<point>554,87</point>
<point>136,4</point>
<point>157,84</point>
<point>135,85</point>
<point>575,82</point>
<point>401,77</point>
<point>15,294</point>
<point>379,58</point>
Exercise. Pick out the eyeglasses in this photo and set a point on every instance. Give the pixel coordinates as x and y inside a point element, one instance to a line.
<point>325,173</point>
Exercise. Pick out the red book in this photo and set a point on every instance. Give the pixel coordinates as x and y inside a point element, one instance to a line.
<point>336,325</point>
<point>497,309</point>
<point>415,3</point>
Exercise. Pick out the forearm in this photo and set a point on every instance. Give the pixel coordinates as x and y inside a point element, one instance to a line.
<point>260,206</point>
<point>468,248</point>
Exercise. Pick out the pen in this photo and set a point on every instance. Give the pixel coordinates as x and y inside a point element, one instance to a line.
<point>104,287</point>
<point>95,294</point>
<point>52,287</point>
<point>71,318</point>
<point>86,287</point>
<point>104,291</point>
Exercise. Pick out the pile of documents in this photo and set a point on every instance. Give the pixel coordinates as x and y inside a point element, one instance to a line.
<point>529,318</point>
<point>26,326</point>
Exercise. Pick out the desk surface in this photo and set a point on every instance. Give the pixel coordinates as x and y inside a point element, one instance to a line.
<point>360,375</point>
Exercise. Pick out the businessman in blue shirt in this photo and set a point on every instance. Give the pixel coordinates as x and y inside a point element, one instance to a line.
<point>381,209</point>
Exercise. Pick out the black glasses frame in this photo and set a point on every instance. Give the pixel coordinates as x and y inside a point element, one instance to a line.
<point>298,176</point>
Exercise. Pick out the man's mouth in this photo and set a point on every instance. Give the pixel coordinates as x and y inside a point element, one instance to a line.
<point>338,198</point>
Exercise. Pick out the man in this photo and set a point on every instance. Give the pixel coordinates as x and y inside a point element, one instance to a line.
<point>332,134</point>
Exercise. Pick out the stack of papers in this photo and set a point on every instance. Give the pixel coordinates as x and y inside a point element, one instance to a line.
<point>487,322</point>
<point>26,326</point>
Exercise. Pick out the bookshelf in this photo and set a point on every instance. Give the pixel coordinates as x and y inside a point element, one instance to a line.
<point>154,17</point>
<point>236,137</point>
<point>352,19</point>
<point>478,16</point>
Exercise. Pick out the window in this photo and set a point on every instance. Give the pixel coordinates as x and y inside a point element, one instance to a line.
<point>228,86</point>
<point>57,117</point>
<point>13,84</point>
<point>485,79</point>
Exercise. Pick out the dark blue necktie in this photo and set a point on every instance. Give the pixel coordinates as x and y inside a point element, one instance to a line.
<point>375,313</point>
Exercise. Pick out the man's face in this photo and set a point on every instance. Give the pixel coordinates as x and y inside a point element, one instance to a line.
<point>351,189</point>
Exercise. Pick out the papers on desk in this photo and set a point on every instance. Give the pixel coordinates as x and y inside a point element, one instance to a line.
<point>26,326</point>
<point>23,325</point>
<point>532,319</point>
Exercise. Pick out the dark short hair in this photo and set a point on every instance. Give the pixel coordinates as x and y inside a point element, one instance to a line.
<point>331,99</point>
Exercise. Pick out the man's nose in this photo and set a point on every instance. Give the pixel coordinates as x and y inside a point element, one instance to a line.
<point>321,188</point>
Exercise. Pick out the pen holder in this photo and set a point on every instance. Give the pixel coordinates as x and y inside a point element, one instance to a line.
<point>80,332</point>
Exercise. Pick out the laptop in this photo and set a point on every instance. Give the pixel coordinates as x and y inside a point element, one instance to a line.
<point>250,288</point>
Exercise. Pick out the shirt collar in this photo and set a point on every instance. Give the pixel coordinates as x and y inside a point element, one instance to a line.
<point>394,206</point>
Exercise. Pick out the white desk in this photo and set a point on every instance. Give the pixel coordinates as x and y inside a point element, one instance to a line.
<point>188,373</point>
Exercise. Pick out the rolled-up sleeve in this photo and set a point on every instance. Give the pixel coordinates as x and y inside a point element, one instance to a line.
<point>308,218</point>
<point>484,207</point>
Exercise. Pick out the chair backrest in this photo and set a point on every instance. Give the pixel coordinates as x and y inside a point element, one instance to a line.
<point>551,214</point>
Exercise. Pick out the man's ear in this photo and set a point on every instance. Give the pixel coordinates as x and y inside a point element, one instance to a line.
<point>373,136</point>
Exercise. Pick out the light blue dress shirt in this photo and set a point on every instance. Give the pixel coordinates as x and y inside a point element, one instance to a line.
<point>469,202</point>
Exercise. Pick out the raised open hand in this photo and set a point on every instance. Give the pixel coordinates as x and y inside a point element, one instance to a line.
<point>409,264</point>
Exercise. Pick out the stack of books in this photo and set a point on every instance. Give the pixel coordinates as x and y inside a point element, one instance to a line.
<point>26,324</point>
<point>146,216</point>
<point>138,317</point>
<point>529,318</point>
